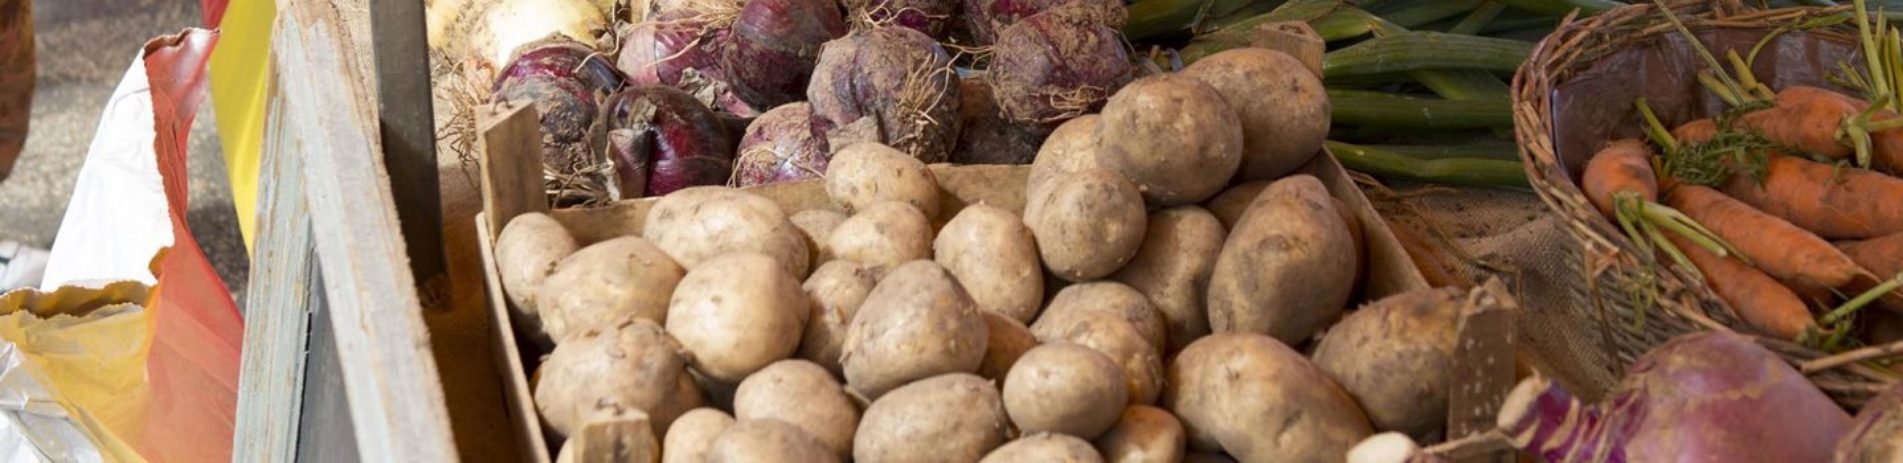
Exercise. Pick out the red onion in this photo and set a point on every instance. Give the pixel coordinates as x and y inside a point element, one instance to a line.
<point>933,17</point>
<point>661,139</point>
<point>987,18</point>
<point>679,49</point>
<point>546,73</point>
<point>985,137</point>
<point>1057,65</point>
<point>899,76</point>
<point>770,52</point>
<point>785,144</point>
<point>1878,432</point>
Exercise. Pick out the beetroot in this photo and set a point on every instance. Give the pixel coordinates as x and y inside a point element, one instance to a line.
<point>785,144</point>
<point>1058,64</point>
<point>661,139</point>
<point>898,76</point>
<point>546,73</point>
<point>984,137</point>
<point>1709,396</point>
<point>680,49</point>
<point>986,18</point>
<point>770,52</point>
<point>933,17</point>
<point>1877,435</point>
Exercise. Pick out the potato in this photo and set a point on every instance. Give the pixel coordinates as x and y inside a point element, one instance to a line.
<point>767,441</point>
<point>1045,447</point>
<point>1287,268</point>
<point>1202,457</point>
<point>1006,342</point>
<point>1172,269</point>
<point>817,225</point>
<point>1068,150</point>
<point>631,365</point>
<point>1173,136</point>
<point>527,251</point>
<point>917,323</point>
<point>1087,224</point>
<point>1114,337</point>
<point>1144,434</point>
<point>883,236</point>
<point>1103,299</point>
<point>606,282</point>
<point>1228,206</point>
<point>737,313</point>
<point>1062,387</point>
<point>994,256</point>
<point>1282,107</point>
<point>837,289</point>
<point>1409,335</point>
<point>692,434</point>
<point>863,174</point>
<point>804,394</point>
<point>1259,400</point>
<point>613,435</point>
<point>698,224</point>
<point>954,417</point>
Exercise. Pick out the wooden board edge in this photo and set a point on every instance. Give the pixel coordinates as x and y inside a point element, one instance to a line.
<point>1390,270</point>
<point>276,317</point>
<point>508,356</point>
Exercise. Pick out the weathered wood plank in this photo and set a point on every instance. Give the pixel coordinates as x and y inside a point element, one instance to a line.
<point>271,380</point>
<point>395,394</point>
<point>408,134</point>
<point>324,432</point>
<point>511,164</point>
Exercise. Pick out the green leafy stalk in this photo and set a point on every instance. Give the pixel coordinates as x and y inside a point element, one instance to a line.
<point>1457,171</point>
<point>1364,108</point>
<point>1864,299</point>
<point>1426,50</point>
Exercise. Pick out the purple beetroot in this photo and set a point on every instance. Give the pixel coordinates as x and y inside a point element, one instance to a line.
<point>897,76</point>
<point>784,144</point>
<point>1058,64</point>
<point>770,52</point>
<point>547,74</point>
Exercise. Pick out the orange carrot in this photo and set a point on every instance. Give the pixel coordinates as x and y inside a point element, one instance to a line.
<point>1622,166</point>
<point>1698,131</point>
<point>1808,119</point>
<point>1780,249</point>
<point>1835,203</point>
<point>1883,256</point>
<point>1755,297</point>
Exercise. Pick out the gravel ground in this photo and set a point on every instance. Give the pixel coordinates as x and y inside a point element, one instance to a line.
<point>83,48</point>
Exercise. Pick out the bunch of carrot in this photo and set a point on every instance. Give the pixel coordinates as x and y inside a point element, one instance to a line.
<point>1786,205</point>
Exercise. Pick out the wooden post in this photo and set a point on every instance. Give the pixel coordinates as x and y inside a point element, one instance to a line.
<point>1484,371</point>
<point>276,317</point>
<point>407,131</point>
<point>511,164</point>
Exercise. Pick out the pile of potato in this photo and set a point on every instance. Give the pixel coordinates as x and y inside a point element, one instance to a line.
<point>1152,303</point>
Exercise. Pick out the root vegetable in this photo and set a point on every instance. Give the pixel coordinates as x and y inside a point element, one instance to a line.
<point>679,49</point>
<point>1834,203</point>
<point>699,224</point>
<point>898,76</point>
<point>1045,447</point>
<point>784,144</point>
<point>994,256</point>
<point>1755,297</point>
<point>932,18</point>
<point>1286,268</point>
<point>633,365</point>
<point>1229,205</point>
<point>692,435</point>
<point>606,282</point>
<point>1087,224</point>
<point>837,289</point>
<point>527,252</point>
<point>1877,433</point>
<point>986,18</point>
<point>985,136</point>
<point>1882,256</point>
<point>493,31</point>
<point>1144,434</point>
<point>1103,299</point>
<point>1806,118</point>
<point>1172,269</point>
<point>1061,388</point>
<point>1780,249</point>
<point>1172,135</point>
<point>917,323</point>
<point>737,313</point>
<point>804,394</point>
<point>1206,457</point>
<point>1142,364</point>
<point>1708,396</point>
<point>817,226</point>
<point>863,174</point>
<point>770,52</point>
<point>1007,341</point>
<point>1070,149</point>
<point>1281,105</point>
<point>947,418</point>
<point>882,237</point>
<point>662,140</point>
<point>1047,68</point>
<point>1259,400</point>
<point>1622,166</point>
<point>768,441</point>
<point>546,74</point>
<point>1410,334</point>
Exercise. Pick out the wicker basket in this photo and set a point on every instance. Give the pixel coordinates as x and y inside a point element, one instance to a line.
<point>1556,82</point>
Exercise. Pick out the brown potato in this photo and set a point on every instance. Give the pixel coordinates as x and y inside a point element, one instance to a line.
<point>1287,268</point>
<point>863,174</point>
<point>692,435</point>
<point>632,365</point>
<point>1045,447</point>
<point>917,323</point>
<point>1007,341</point>
<point>527,251</point>
<point>1255,398</point>
<point>737,313</point>
<point>768,441</point>
<point>1062,388</point>
<point>837,289</point>
<point>947,418</point>
<point>1173,136</point>
<point>1144,434</point>
<point>1101,299</point>
<point>817,226</point>
<point>882,236</point>
<point>1142,365</point>
<point>1070,149</point>
<point>1410,335</point>
<point>804,394</point>
<point>606,282</point>
<point>1228,206</point>
<point>1087,224</point>
<point>995,257</point>
<point>698,224</point>
<point>1172,269</point>
<point>1282,107</point>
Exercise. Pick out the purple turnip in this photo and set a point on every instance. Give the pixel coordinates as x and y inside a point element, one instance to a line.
<point>933,17</point>
<point>898,76</point>
<point>785,144</point>
<point>1058,64</point>
<point>661,140</point>
<point>984,136</point>
<point>1877,435</point>
<point>987,18</point>
<point>1710,396</point>
<point>770,52</point>
<point>680,49</point>
<point>547,73</point>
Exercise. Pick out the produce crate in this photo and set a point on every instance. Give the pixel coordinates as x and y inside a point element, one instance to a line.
<point>512,186</point>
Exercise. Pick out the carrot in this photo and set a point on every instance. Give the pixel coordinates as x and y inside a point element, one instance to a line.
<point>1835,203</point>
<point>1807,121</point>
<point>1622,166</point>
<point>1778,248</point>
<point>1754,296</point>
<point>1883,256</point>
<point>1698,131</point>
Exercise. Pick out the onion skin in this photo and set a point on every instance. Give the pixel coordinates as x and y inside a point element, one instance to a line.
<point>985,137</point>
<point>933,17</point>
<point>785,144</point>
<point>1877,434</point>
<point>899,76</point>
<point>986,18</point>
<point>1057,65</point>
<point>1706,396</point>
<point>661,140</point>
<point>544,73</point>
<point>657,52</point>
<point>770,53</point>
